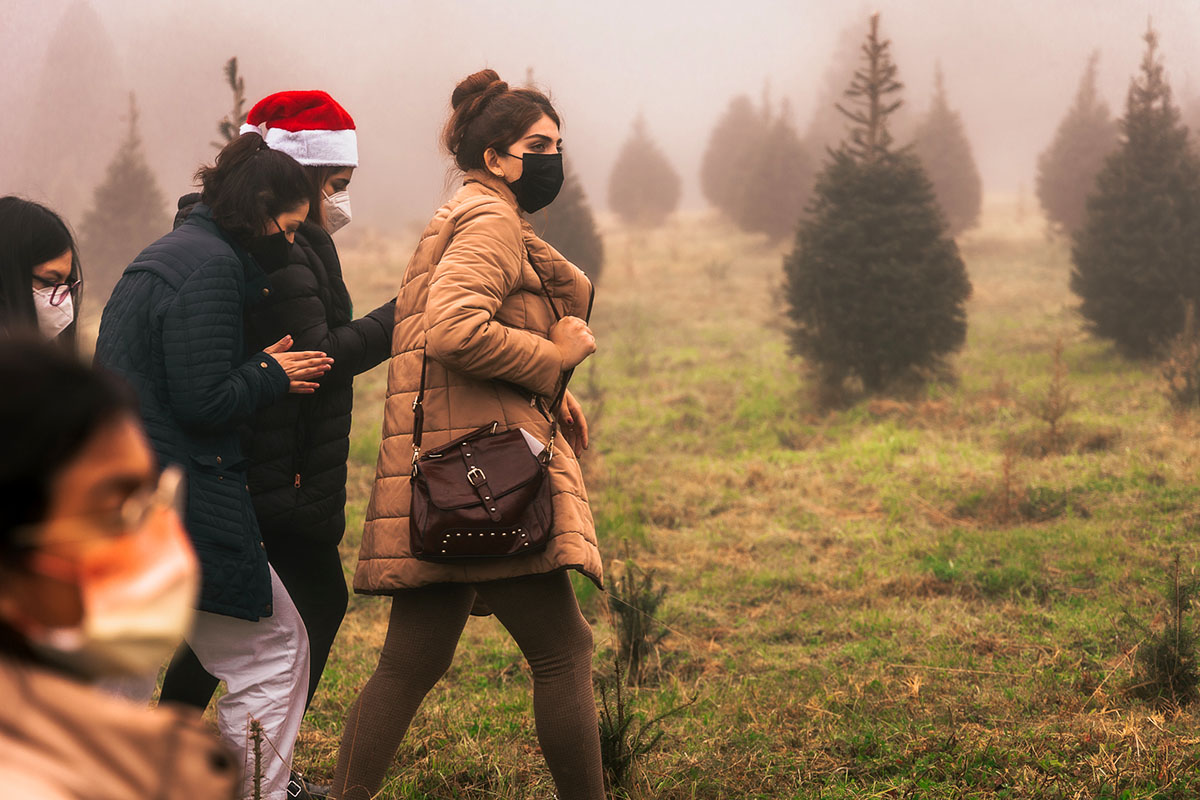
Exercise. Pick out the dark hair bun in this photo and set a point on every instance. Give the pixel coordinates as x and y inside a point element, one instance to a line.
<point>487,113</point>
<point>485,83</point>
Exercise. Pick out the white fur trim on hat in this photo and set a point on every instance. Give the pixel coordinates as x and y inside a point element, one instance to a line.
<point>316,148</point>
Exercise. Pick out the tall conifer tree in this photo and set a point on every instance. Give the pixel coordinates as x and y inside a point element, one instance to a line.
<point>1067,169</point>
<point>776,183</point>
<point>128,213</point>
<point>643,188</point>
<point>568,225</point>
<point>76,122</point>
<point>875,286</point>
<point>734,139</point>
<point>1137,256</point>
<point>942,145</point>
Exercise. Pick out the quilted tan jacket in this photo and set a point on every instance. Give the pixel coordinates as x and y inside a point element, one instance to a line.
<point>470,296</point>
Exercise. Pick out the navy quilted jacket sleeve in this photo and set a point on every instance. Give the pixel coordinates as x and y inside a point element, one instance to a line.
<point>309,300</point>
<point>209,384</point>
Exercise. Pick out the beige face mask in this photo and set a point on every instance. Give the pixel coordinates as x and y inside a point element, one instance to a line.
<point>138,593</point>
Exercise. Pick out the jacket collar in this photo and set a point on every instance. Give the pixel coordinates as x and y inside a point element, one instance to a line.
<point>257,282</point>
<point>493,185</point>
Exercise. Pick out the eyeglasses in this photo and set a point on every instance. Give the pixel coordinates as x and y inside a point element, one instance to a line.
<point>167,493</point>
<point>59,292</point>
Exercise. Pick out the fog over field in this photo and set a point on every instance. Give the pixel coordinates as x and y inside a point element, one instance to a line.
<point>1011,69</point>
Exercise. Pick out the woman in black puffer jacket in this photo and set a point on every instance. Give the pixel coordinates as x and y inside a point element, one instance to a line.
<point>298,448</point>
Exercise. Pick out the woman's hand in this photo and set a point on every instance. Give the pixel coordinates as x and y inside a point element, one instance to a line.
<point>574,340</point>
<point>302,367</point>
<point>573,423</point>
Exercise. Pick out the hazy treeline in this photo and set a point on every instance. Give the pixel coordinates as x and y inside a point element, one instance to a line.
<point>70,64</point>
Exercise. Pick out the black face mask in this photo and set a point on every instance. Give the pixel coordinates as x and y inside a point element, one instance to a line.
<point>540,181</point>
<point>271,251</point>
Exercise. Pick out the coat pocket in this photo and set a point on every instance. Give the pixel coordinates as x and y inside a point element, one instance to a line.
<point>219,510</point>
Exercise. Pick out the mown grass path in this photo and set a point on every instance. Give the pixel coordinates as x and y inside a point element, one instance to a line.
<point>906,598</point>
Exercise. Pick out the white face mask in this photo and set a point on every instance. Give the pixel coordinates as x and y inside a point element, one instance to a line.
<point>138,595</point>
<point>337,211</point>
<point>52,319</point>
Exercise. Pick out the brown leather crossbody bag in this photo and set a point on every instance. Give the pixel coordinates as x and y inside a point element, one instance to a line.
<point>484,495</point>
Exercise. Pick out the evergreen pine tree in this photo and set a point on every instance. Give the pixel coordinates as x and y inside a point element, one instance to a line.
<point>941,144</point>
<point>1066,171</point>
<point>1191,118</point>
<point>76,121</point>
<point>875,286</point>
<point>1137,256</point>
<point>776,183</point>
<point>568,225</point>
<point>643,188</point>
<point>128,213</point>
<point>733,142</point>
<point>230,126</point>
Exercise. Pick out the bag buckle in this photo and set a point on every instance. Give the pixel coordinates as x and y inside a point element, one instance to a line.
<point>476,476</point>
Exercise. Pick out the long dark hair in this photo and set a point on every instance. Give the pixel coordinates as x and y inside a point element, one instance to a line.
<point>51,407</point>
<point>30,235</point>
<point>488,114</point>
<point>250,184</point>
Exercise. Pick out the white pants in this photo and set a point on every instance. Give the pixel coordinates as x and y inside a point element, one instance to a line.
<point>265,668</point>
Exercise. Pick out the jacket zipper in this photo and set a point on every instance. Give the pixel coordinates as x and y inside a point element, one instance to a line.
<point>302,447</point>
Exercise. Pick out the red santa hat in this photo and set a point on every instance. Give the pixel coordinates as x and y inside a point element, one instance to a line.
<point>309,126</point>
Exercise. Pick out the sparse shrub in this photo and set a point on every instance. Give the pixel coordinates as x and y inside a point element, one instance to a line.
<point>1135,256</point>
<point>230,127</point>
<point>635,602</point>
<point>1052,405</point>
<point>643,188</point>
<point>875,286</point>
<point>942,145</point>
<point>1181,369</point>
<point>626,736</point>
<point>128,212</point>
<point>1166,661</point>
<point>1066,170</point>
<point>570,228</point>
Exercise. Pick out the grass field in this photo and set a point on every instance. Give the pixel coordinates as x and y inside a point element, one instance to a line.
<point>872,602</point>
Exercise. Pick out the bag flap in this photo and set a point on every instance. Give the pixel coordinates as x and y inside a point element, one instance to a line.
<point>504,458</point>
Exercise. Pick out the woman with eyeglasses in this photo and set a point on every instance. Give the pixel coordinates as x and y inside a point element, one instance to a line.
<point>97,582</point>
<point>40,278</point>
<point>174,328</point>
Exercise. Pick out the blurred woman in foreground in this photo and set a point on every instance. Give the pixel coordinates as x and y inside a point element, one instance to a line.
<point>96,581</point>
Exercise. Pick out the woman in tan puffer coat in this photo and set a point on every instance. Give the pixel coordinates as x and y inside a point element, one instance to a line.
<point>475,301</point>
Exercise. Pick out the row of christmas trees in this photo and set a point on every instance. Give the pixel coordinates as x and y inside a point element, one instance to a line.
<point>876,288</point>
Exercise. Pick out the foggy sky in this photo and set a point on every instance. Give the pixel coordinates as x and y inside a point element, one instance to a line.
<point>1011,69</point>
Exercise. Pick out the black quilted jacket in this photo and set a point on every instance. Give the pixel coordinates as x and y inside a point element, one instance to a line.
<point>173,329</point>
<point>299,446</point>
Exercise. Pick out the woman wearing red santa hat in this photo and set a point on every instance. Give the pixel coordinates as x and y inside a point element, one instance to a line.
<point>173,328</point>
<point>298,447</point>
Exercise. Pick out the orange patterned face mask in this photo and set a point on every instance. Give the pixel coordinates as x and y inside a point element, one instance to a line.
<point>138,591</point>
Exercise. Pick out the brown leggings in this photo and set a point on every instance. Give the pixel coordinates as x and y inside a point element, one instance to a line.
<point>543,617</point>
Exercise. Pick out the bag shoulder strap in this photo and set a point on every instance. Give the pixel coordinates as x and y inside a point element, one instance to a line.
<point>445,234</point>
